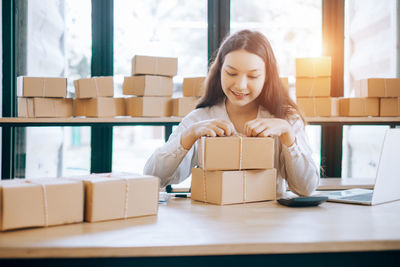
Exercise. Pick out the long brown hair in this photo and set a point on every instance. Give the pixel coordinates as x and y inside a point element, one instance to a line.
<point>274,96</point>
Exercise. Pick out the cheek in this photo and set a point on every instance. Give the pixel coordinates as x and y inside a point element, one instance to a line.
<point>226,82</point>
<point>257,86</point>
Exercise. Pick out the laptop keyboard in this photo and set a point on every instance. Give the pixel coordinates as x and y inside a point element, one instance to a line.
<point>362,197</point>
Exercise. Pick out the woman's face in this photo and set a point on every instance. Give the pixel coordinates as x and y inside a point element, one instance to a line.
<point>242,77</point>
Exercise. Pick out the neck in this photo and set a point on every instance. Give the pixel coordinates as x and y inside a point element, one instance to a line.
<point>249,110</point>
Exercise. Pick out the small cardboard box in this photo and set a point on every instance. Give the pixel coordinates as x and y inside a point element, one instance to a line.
<point>94,87</point>
<point>313,67</point>
<point>99,107</point>
<point>148,106</point>
<point>232,187</point>
<point>41,87</point>
<point>164,66</point>
<point>390,107</point>
<point>193,86</point>
<point>359,107</point>
<point>183,105</point>
<point>148,85</point>
<point>38,107</point>
<point>236,153</point>
<point>110,196</point>
<point>308,87</point>
<point>319,106</point>
<point>40,202</point>
<point>377,87</point>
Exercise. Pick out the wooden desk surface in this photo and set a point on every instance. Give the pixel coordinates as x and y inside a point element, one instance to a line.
<point>185,227</point>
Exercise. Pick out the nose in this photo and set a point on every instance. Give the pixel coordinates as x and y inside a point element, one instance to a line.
<point>242,82</point>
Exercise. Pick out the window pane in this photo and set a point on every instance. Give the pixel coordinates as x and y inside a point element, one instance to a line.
<point>167,28</point>
<point>370,52</point>
<point>57,44</point>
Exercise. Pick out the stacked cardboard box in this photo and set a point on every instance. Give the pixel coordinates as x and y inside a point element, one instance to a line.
<point>192,90</point>
<point>40,202</point>
<point>313,87</point>
<point>94,98</point>
<point>234,170</point>
<point>374,97</point>
<point>40,97</point>
<point>151,86</point>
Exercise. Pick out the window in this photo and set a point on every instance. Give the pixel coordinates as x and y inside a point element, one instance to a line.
<point>55,42</point>
<point>370,52</point>
<point>156,28</point>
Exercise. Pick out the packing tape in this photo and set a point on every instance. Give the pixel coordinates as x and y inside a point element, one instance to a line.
<point>126,198</point>
<point>30,107</point>
<point>54,106</point>
<point>194,87</point>
<point>96,86</point>
<point>156,66</point>
<point>365,106</point>
<point>44,88</point>
<point>203,148</point>
<point>45,206</point>
<point>314,102</point>
<point>241,152</point>
<point>244,181</point>
<point>311,92</point>
<point>204,186</point>
<point>385,87</point>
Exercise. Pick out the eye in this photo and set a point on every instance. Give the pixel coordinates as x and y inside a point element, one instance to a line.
<point>230,73</point>
<point>253,76</point>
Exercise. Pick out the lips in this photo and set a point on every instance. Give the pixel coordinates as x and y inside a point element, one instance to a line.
<point>240,94</point>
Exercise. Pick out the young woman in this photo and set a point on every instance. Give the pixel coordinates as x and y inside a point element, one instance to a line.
<point>244,95</point>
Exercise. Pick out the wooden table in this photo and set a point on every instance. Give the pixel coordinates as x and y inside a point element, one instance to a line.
<point>264,231</point>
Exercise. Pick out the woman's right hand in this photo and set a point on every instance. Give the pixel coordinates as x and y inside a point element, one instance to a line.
<point>212,128</point>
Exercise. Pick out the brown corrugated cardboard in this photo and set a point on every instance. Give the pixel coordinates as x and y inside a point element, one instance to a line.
<point>99,107</point>
<point>39,107</point>
<point>193,86</point>
<point>40,202</point>
<point>94,87</point>
<point>236,153</point>
<point>308,87</point>
<point>164,66</point>
<point>313,67</point>
<point>377,87</point>
<point>148,85</point>
<point>319,106</point>
<point>41,87</point>
<point>148,106</point>
<point>232,187</point>
<point>359,107</point>
<point>117,196</point>
<point>183,105</point>
<point>389,107</point>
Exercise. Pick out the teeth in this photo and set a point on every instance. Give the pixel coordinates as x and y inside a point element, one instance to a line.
<point>239,94</point>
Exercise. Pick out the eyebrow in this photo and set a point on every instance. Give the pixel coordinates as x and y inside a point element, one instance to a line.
<point>237,69</point>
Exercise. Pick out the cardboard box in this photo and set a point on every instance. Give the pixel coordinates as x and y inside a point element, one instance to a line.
<point>99,107</point>
<point>147,85</point>
<point>232,187</point>
<point>359,107</point>
<point>41,87</point>
<point>285,82</point>
<point>183,105</point>
<point>313,67</point>
<point>319,106</point>
<point>308,87</point>
<point>377,87</point>
<point>389,107</point>
<point>193,86</point>
<point>164,66</point>
<point>94,87</point>
<point>117,196</point>
<point>38,107</point>
<point>148,106</point>
<point>236,153</point>
<point>40,202</point>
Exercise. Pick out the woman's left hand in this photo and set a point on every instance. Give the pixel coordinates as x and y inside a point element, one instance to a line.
<point>271,127</point>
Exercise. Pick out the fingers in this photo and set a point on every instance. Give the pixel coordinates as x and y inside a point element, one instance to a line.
<point>226,127</point>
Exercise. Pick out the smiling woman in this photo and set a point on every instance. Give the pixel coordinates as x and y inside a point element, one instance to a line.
<point>243,95</point>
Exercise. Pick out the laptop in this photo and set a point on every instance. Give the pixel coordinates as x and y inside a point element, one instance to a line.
<point>387,181</point>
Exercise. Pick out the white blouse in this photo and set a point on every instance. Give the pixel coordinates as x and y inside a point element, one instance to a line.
<point>295,166</point>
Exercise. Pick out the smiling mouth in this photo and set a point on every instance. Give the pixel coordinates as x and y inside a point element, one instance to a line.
<point>239,94</point>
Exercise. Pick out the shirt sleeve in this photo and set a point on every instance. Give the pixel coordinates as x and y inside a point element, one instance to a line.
<point>172,163</point>
<point>297,164</point>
